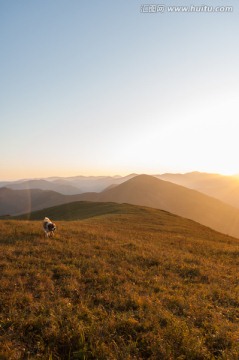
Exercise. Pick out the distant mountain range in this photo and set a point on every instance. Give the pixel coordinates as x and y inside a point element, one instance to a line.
<point>13,202</point>
<point>141,190</point>
<point>63,188</point>
<point>69,185</point>
<point>149,191</point>
<point>225,188</point>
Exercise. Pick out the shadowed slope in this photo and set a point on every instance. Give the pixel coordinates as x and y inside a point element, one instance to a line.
<point>13,202</point>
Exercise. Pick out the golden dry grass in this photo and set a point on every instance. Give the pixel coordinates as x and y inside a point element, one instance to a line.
<point>145,285</point>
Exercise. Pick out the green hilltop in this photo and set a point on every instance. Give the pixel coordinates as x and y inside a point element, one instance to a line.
<point>80,210</point>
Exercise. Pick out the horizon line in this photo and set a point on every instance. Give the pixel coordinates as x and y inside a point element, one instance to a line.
<point>114,176</point>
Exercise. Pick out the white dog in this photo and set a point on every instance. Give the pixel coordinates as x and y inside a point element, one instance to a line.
<point>49,227</point>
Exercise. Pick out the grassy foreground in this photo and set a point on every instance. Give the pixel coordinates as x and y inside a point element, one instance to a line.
<point>144,285</point>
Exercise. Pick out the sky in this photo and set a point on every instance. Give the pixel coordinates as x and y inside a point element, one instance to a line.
<point>107,87</point>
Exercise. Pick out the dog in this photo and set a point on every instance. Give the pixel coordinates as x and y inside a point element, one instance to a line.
<point>49,227</point>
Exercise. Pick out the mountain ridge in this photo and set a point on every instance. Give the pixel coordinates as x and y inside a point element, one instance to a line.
<point>68,185</point>
<point>142,190</point>
<point>221,187</point>
<point>146,190</point>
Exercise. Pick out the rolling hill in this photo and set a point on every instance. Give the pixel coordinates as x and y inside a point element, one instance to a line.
<point>80,210</point>
<point>149,191</point>
<point>224,188</point>
<point>143,190</point>
<point>129,283</point>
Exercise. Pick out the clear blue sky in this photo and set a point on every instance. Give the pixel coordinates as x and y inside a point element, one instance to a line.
<point>98,87</point>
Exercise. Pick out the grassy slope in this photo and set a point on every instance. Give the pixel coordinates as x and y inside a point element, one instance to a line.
<point>143,285</point>
<point>79,210</point>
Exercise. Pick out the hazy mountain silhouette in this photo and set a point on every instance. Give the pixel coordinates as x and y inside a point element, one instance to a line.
<point>13,202</point>
<point>68,185</point>
<point>141,190</point>
<point>93,183</point>
<point>43,184</point>
<point>149,191</point>
<point>225,188</point>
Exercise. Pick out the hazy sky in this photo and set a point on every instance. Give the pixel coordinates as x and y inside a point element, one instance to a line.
<point>99,87</point>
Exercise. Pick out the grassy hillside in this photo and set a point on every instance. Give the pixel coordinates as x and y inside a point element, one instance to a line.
<point>140,284</point>
<point>79,210</point>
